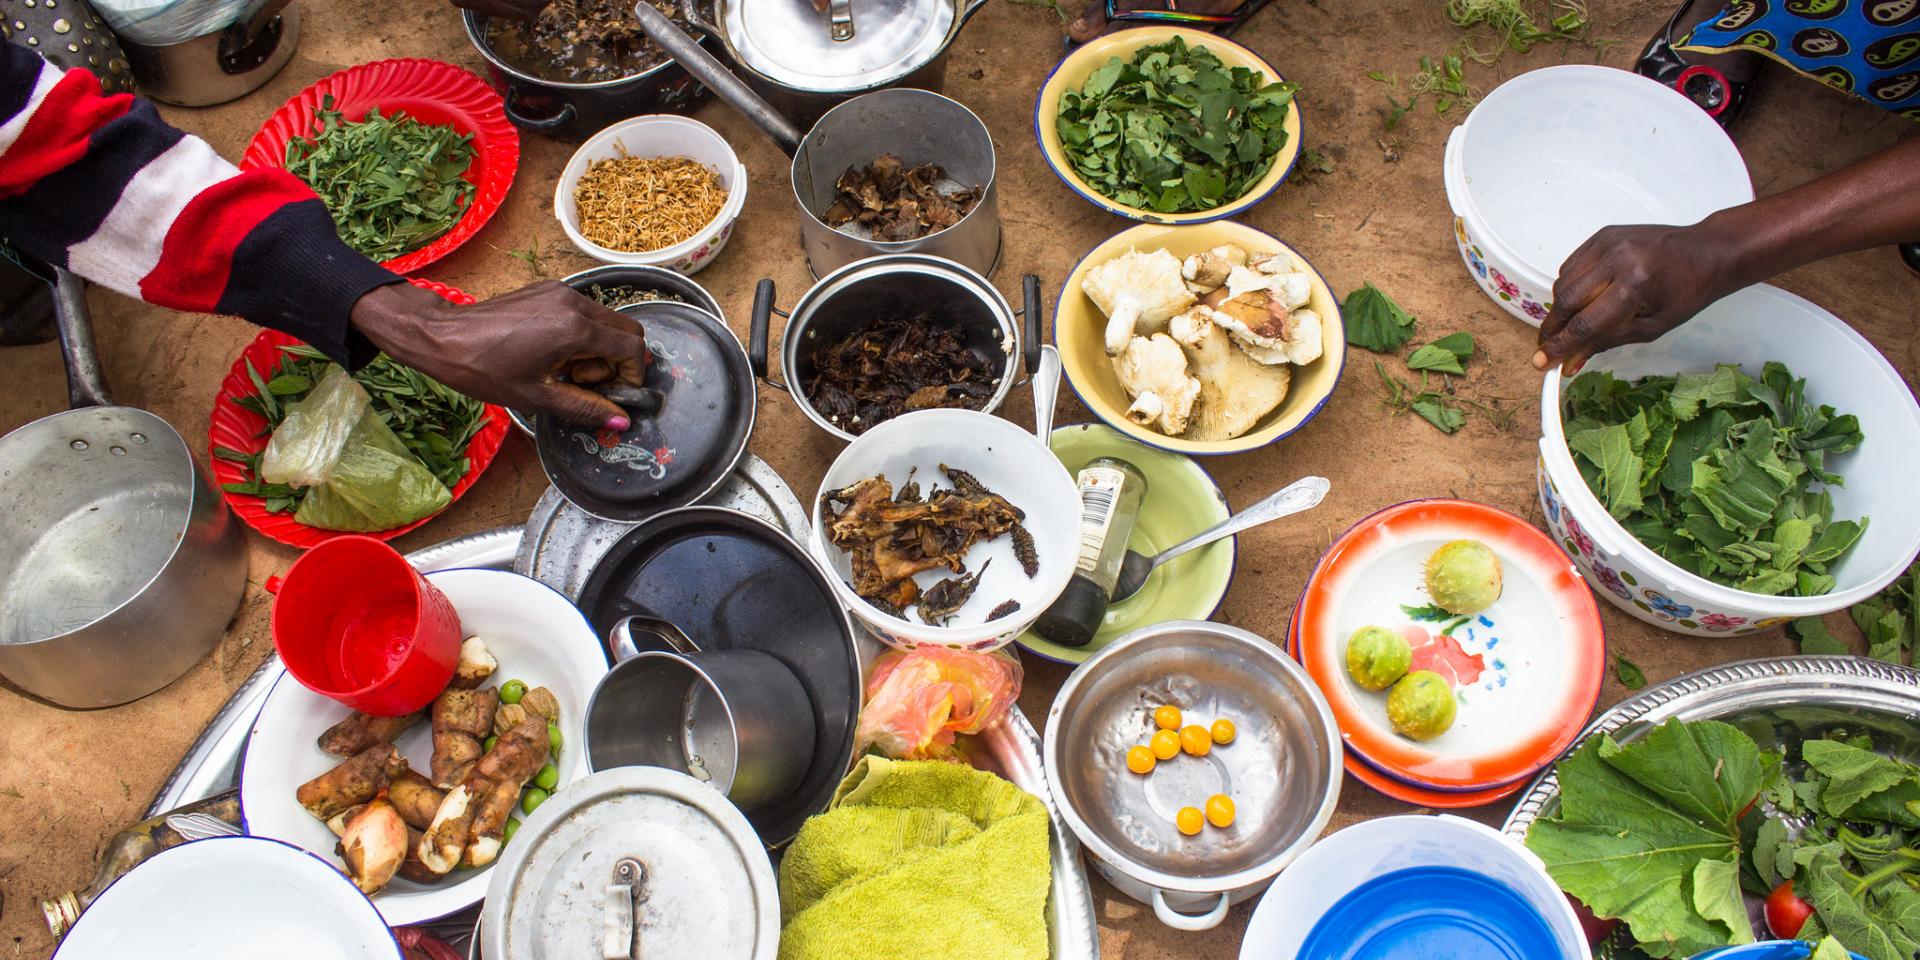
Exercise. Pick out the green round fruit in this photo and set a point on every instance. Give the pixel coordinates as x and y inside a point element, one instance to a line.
<point>1463,576</point>
<point>1376,657</point>
<point>1421,706</point>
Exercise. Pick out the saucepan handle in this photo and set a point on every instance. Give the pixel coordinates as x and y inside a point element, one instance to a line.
<point>86,385</point>
<point>759,331</point>
<point>1189,922</point>
<point>686,52</point>
<point>1030,323</point>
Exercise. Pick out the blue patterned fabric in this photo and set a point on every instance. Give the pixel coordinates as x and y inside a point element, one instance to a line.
<point>1869,48</point>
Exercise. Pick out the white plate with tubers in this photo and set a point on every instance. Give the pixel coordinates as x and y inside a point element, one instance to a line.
<point>293,790</point>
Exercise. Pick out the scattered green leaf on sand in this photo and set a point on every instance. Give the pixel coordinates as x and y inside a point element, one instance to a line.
<point>1374,321</point>
<point>1628,673</point>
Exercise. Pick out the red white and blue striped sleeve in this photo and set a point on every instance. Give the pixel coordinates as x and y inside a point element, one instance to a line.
<point>102,186</point>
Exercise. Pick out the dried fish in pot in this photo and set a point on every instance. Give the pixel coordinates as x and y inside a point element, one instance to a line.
<point>944,599</point>
<point>896,363</point>
<point>889,201</point>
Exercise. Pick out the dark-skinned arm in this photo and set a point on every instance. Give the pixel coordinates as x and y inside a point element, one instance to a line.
<point>1630,284</point>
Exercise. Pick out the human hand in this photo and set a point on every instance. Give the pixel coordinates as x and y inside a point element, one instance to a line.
<point>1626,285</point>
<point>513,9</point>
<point>514,349</point>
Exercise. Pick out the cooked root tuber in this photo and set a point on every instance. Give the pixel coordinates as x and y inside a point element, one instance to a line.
<point>476,664</point>
<point>415,797</point>
<point>355,780</point>
<point>445,839</point>
<point>505,769</point>
<point>461,718</point>
<point>374,845</point>
<point>362,730</point>
<point>411,868</point>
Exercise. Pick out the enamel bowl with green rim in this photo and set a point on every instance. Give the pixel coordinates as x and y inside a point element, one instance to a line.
<point>1072,74</point>
<point>1182,500</point>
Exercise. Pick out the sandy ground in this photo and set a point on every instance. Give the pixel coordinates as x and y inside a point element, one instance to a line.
<point>69,780</point>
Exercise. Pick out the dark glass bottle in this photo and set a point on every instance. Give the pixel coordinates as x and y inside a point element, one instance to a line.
<point>1111,491</point>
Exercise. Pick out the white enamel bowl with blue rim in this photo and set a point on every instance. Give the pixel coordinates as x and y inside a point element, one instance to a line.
<point>1750,327</point>
<point>1553,155</point>
<point>1006,459</point>
<point>538,637</point>
<point>231,897</point>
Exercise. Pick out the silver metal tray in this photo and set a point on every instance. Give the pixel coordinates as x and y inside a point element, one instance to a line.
<point>561,542</point>
<point>1775,701</point>
<point>211,765</point>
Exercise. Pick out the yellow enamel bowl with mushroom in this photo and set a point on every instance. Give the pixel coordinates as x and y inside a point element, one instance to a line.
<point>1204,339</point>
<point>1072,74</point>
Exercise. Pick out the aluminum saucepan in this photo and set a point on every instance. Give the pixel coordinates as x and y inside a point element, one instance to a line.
<point>120,564</point>
<point>918,126</point>
<point>574,111</point>
<point>1282,768</point>
<point>848,298</point>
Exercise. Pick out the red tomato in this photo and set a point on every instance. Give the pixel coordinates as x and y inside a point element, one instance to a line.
<point>1595,928</point>
<point>1786,913</point>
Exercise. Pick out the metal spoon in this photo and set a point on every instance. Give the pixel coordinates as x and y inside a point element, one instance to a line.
<point>1303,494</point>
<point>1046,390</point>
<point>625,646</point>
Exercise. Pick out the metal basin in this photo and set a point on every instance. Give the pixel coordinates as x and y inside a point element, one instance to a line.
<point>1282,770</point>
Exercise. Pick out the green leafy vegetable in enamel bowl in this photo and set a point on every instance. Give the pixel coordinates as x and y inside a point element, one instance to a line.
<point>1716,472</point>
<point>1174,130</point>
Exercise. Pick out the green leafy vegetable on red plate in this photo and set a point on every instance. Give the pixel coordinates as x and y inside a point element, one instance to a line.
<point>1672,833</point>
<point>391,183</point>
<point>1716,472</point>
<point>1173,130</point>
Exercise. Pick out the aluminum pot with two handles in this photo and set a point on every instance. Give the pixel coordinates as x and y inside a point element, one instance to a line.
<point>120,564</point>
<point>917,125</point>
<point>850,297</point>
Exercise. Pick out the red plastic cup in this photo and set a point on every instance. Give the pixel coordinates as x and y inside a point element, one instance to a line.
<point>355,622</point>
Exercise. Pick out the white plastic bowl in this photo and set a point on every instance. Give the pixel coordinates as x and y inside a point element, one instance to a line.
<point>658,135</point>
<point>1842,370</point>
<point>1009,461</point>
<point>1553,155</point>
<point>538,637</point>
<point>1332,868</point>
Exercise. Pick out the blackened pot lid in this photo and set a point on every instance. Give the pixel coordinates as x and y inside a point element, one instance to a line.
<point>677,454</point>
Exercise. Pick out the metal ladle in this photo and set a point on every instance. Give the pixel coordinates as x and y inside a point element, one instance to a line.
<point>1303,494</point>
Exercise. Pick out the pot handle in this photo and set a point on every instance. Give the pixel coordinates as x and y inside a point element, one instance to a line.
<point>1030,323</point>
<point>537,125</point>
<point>686,51</point>
<point>760,329</point>
<point>86,385</point>
<point>1188,922</point>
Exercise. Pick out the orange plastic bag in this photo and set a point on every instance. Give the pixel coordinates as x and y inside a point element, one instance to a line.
<point>918,701</point>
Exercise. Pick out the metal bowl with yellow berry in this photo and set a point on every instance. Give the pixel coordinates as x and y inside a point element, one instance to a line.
<point>1194,761</point>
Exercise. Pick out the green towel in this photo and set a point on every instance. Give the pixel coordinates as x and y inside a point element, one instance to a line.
<point>917,860</point>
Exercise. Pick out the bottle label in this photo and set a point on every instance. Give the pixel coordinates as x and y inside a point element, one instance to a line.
<point>1099,490</point>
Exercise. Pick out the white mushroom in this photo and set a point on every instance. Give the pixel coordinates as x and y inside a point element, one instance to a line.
<point>1236,391</point>
<point>1207,270</point>
<point>1153,371</point>
<point>1139,293</point>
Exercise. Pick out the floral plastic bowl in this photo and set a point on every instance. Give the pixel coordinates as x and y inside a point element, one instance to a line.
<point>1843,370</point>
<point>1553,155</point>
<point>658,135</point>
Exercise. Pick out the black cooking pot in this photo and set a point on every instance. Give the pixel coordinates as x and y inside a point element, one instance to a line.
<point>575,111</point>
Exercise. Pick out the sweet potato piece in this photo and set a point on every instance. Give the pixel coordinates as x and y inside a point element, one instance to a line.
<point>355,780</point>
<point>503,771</point>
<point>374,845</point>
<point>461,718</point>
<point>445,840</point>
<point>362,730</point>
<point>415,797</point>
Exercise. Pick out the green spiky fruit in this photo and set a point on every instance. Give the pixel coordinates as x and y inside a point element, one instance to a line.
<point>1463,576</point>
<point>1377,657</point>
<point>1421,706</point>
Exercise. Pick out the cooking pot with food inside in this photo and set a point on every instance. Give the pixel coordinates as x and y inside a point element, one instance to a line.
<point>893,334</point>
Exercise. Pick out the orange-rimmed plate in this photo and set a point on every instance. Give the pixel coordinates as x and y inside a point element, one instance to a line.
<point>431,92</point>
<point>1526,671</point>
<point>238,428</point>
<point>1407,792</point>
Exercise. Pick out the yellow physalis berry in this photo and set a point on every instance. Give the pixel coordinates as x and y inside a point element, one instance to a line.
<point>1165,744</point>
<point>1194,740</point>
<point>1222,731</point>
<point>1188,820</point>
<point>1167,717</point>
<point>1140,759</point>
<point>1220,810</point>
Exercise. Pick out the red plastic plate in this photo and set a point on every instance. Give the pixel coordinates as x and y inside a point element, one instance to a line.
<point>241,429</point>
<point>431,92</point>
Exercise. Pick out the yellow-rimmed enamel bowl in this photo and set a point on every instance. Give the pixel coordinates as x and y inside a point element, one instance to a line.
<point>1072,74</point>
<point>1079,331</point>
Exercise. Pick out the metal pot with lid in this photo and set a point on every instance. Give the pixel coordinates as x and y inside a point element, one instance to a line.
<point>858,121</point>
<point>633,862</point>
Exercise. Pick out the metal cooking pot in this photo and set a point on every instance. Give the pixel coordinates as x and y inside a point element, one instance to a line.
<point>575,111</point>
<point>224,65</point>
<point>843,301</point>
<point>120,564</point>
<point>1282,769</point>
<point>917,125</point>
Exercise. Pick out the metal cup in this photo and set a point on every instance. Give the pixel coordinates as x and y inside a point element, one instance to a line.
<point>738,719</point>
